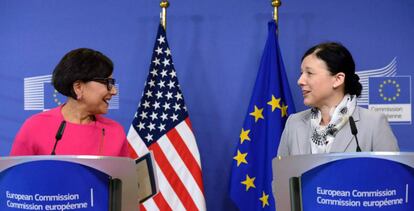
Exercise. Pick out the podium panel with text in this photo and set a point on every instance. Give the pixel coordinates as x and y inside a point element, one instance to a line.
<point>344,181</point>
<point>89,183</point>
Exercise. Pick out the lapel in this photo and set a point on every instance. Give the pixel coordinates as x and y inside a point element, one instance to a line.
<point>303,136</point>
<point>344,137</point>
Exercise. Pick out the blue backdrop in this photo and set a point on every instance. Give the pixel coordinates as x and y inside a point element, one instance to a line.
<point>216,46</point>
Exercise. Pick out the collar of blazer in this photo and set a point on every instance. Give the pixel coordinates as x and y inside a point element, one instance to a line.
<point>342,140</point>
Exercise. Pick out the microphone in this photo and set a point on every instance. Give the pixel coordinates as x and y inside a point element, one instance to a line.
<point>102,141</point>
<point>59,135</point>
<point>354,132</point>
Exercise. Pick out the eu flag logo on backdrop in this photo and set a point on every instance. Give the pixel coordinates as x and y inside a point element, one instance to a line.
<point>270,104</point>
<point>389,90</point>
<point>52,98</point>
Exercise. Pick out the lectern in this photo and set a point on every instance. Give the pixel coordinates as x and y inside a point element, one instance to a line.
<point>365,181</point>
<point>83,183</point>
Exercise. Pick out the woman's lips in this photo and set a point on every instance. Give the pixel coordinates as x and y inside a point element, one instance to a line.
<point>107,100</point>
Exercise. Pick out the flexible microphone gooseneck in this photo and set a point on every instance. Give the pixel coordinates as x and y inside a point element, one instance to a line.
<point>59,135</point>
<point>354,132</point>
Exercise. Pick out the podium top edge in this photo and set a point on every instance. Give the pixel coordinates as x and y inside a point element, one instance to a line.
<point>347,155</point>
<point>63,157</point>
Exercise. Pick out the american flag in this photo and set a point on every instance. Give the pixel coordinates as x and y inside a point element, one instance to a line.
<point>161,125</point>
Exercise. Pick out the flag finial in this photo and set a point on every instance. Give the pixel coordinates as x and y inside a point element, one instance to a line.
<point>164,5</point>
<point>276,4</point>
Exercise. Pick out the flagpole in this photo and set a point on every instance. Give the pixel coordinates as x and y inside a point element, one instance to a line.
<point>276,4</point>
<point>164,4</point>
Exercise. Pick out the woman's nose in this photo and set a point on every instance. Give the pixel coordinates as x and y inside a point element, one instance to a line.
<point>113,90</point>
<point>301,80</point>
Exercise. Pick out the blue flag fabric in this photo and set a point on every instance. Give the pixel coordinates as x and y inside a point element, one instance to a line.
<point>270,104</point>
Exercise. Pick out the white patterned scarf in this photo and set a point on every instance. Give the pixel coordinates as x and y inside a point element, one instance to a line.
<point>323,136</point>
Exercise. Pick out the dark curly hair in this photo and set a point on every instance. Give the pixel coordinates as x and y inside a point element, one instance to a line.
<point>81,64</point>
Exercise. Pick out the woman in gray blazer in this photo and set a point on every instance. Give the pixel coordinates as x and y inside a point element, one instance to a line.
<point>330,87</point>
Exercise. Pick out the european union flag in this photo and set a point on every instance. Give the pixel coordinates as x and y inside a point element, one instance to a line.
<point>389,90</point>
<point>270,104</point>
<point>52,98</point>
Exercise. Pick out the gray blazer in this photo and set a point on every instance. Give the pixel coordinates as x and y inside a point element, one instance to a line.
<point>374,134</point>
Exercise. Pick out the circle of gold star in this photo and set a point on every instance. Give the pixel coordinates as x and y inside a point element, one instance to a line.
<point>392,83</point>
<point>57,101</point>
<point>244,135</point>
<point>257,113</point>
<point>240,158</point>
<point>264,199</point>
<point>249,182</point>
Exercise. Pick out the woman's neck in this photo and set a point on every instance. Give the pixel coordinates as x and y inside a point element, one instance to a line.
<point>75,112</point>
<point>326,115</point>
<point>327,109</point>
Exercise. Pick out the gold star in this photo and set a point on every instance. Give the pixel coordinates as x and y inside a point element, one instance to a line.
<point>240,157</point>
<point>244,135</point>
<point>284,110</point>
<point>257,113</point>
<point>264,199</point>
<point>275,103</point>
<point>249,182</point>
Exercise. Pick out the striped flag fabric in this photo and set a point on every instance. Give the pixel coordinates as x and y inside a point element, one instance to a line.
<point>162,125</point>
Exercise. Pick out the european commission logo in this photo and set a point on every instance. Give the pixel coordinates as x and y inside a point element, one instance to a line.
<point>39,94</point>
<point>384,91</point>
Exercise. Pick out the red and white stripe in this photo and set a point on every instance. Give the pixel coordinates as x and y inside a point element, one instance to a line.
<point>178,169</point>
